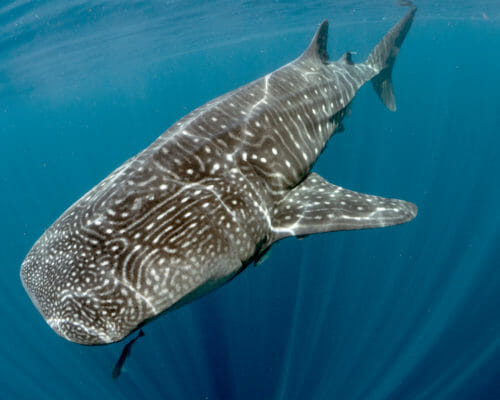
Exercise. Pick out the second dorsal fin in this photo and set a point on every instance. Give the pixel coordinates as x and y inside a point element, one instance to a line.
<point>317,48</point>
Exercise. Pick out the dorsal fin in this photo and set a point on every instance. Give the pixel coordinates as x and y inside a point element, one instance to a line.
<point>317,48</point>
<point>347,58</point>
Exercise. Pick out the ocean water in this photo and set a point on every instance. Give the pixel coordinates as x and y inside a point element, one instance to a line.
<point>407,312</point>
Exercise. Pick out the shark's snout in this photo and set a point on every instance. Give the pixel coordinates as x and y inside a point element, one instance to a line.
<point>78,332</point>
<point>74,304</point>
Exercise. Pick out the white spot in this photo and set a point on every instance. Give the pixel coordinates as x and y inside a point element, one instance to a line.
<point>215,168</point>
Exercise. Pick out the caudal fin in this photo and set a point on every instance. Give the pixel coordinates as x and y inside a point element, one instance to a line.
<point>383,56</point>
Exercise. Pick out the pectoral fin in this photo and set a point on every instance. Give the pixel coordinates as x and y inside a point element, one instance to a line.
<point>316,205</point>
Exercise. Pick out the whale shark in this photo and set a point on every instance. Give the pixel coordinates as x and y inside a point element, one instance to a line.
<point>209,197</point>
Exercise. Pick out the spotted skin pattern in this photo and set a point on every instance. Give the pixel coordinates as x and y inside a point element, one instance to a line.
<point>208,197</point>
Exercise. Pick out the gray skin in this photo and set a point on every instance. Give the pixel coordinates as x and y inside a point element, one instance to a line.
<point>208,197</point>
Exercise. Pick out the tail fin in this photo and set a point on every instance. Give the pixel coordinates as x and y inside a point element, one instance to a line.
<point>382,58</point>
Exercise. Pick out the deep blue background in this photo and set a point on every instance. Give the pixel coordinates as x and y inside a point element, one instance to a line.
<point>408,312</point>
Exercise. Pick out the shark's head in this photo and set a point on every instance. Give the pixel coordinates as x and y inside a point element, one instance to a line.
<point>67,278</point>
<point>126,252</point>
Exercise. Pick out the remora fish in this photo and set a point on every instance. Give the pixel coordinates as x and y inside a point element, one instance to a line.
<point>209,197</point>
<point>117,370</point>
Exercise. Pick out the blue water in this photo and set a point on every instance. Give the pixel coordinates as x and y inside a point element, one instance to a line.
<point>408,312</point>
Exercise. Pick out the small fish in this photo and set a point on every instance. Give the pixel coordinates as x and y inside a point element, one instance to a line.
<point>125,353</point>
